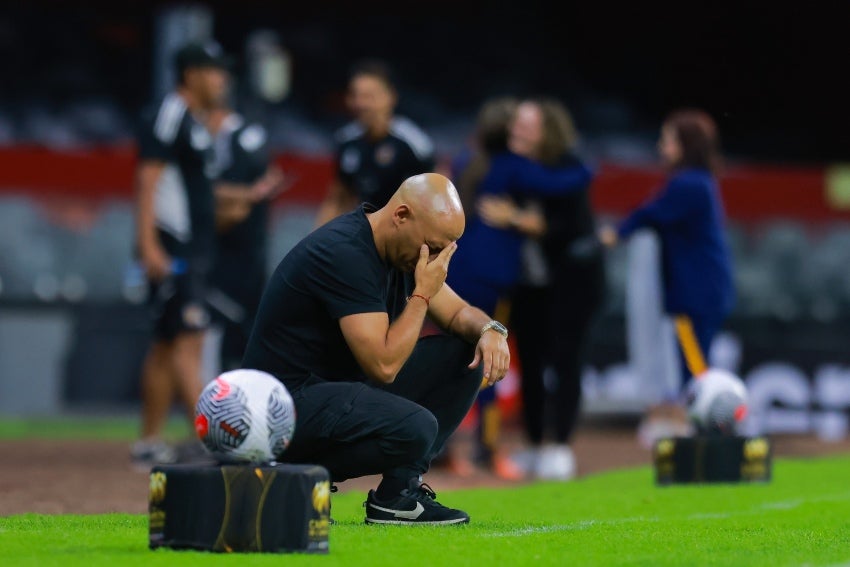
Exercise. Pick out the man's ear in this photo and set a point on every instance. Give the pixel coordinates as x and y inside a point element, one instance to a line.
<point>402,214</point>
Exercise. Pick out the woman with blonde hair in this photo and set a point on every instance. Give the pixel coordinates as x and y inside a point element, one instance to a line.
<point>561,287</point>
<point>488,263</point>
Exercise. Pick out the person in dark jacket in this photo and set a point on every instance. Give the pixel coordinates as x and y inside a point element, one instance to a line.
<point>687,215</point>
<point>489,257</point>
<point>561,287</point>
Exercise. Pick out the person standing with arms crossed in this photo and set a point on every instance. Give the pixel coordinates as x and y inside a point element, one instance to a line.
<point>175,218</point>
<point>377,151</point>
<point>340,325</point>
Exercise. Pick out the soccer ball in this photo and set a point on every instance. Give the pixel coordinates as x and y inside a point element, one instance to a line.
<point>717,401</point>
<point>245,416</point>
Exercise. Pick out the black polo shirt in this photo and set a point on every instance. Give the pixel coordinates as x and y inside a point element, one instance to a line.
<point>374,169</point>
<point>333,272</point>
<point>242,157</point>
<point>184,205</point>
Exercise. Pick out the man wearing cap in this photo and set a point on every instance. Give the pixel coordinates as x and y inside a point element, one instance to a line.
<point>175,238</point>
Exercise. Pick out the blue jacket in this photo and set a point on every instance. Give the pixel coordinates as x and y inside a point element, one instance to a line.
<point>687,214</point>
<point>492,256</point>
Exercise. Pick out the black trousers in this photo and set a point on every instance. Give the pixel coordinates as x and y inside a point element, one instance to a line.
<point>552,325</point>
<point>235,290</point>
<point>356,429</point>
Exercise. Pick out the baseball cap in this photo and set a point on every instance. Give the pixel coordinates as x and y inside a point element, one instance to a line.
<point>201,54</point>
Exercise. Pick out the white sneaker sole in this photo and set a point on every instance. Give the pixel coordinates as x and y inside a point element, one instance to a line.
<point>415,523</point>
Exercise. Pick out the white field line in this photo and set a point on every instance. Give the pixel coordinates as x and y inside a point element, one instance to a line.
<point>586,524</point>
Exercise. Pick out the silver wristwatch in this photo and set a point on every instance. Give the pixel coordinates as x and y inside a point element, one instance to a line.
<point>496,326</point>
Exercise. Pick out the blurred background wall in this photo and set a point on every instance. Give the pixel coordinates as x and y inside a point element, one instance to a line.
<point>75,75</point>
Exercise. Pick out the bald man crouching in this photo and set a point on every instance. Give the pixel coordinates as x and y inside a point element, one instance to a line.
<point>339,325</point>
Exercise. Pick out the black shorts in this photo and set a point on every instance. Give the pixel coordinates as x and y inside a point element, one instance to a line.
<point>178,304</point>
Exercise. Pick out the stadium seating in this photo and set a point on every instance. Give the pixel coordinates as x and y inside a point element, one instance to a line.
<point>27,251</point>
<point>783,269</point>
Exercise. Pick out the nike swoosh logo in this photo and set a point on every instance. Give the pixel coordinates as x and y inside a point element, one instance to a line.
<point>406,514</point>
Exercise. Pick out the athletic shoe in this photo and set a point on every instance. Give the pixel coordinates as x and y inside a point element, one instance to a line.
<point>526,460</point>
<point>415,505</point>
<point>555,462</point>
<point>145,454</point>
<point>460,466</point>
<point>496,462</point>
<point>505,468</point>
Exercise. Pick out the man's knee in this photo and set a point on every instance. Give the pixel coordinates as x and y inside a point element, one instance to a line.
<point>462,354</point>
<point>416,433</point>
<point>457,349</point>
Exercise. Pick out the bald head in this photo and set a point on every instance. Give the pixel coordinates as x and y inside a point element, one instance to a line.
<point>433,198</point>
<point>425,210</point>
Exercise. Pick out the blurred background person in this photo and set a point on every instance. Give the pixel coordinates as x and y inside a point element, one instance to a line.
<point>561,290</point>
<point>468,168</point>
<point>377,151</point>
<point>175,217</point>
<point>246,182</point>
<point>688,217</point>
<point>488,262</point>
<point>490,137</point>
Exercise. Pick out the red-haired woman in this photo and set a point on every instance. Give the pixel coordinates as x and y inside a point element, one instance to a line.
<point>687,214</point>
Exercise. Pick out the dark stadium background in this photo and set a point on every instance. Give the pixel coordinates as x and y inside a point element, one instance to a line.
<point>771,74</point>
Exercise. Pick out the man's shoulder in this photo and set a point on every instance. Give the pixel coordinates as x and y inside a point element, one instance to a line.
<point>349,133</point>
<point>164,117</point>
<point>347,238</point>
<point>412,135</point>
<point>348,229</point>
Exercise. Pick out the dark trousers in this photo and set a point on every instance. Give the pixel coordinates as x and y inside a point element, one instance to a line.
<point>356,429</point>
<point>552,325</point>
<point>234,340</point>
<point>235,292</point>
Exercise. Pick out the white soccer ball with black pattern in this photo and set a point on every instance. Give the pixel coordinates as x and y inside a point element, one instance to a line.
<point>717,401</point>
<point>245,416</point>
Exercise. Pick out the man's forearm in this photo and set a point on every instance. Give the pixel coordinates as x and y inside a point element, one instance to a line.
<point>240,192</point>
<point>147,178</point>
<point>145,224</point>
<point>402,335</point>
<point>468,322</point>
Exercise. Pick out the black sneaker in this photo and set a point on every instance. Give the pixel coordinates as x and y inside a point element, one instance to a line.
<point>414,506</point>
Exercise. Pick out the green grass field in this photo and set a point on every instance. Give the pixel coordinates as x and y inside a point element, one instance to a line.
<point>107,428</point>
<point>802,517</point>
